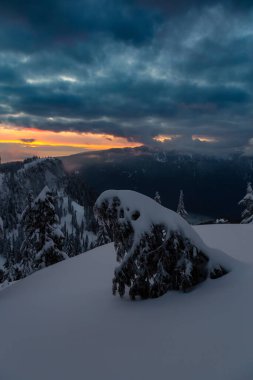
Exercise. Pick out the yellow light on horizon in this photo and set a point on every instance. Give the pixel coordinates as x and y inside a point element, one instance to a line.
<point>164,138</point>
<point>207,139</point>
<point>32,138</point>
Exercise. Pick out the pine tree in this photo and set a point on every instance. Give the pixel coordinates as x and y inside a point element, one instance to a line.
<point>180,208</point>
<point>157,198</point>
<point>102,236</point>
<point>44,239</point>
<point>247,203</point>
<point>77,243</point>
<point>86,243</point>
<point>28,247</point>
<point>69,245</point>
<point>11,268</point>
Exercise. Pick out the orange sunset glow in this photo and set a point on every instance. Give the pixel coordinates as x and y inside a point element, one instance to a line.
<point>165,138</point>
<point>46,143</point>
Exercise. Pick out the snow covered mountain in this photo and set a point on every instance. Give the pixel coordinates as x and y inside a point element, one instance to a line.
<point>63,323</point>
<point>74,202</point>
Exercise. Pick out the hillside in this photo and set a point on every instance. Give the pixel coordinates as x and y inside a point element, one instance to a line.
<point>63,323</point>
<point>73,206</point>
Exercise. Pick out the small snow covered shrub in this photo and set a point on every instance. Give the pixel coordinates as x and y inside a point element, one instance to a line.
<point>157,249</point>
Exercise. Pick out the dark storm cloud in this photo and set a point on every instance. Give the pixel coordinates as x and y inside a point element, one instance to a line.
<point>64,21</point>
<point>133,69</point>
<point>184,5</point>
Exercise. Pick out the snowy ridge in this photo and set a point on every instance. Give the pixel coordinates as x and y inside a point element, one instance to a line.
<point>16,184</point>
<point>33,163</point>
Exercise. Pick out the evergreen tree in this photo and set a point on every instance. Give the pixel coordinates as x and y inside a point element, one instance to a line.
<point>157,198</point>
<point>44,240</point>
<point>102,236</point>
<point>77,243</point>
<point>69,245</point>
<point>247,203</point>
<point>86,243</point>
<point>28,246</point>
<point>180,208</point>
<point>11,269</point>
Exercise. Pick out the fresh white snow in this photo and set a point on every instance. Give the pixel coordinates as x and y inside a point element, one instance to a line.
<point>62,322</point>
<point>235,240</point>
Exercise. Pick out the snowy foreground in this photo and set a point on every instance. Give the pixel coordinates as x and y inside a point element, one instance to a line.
<point>63,323</point>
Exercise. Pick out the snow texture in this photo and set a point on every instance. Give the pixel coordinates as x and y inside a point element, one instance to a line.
<point>63,323</point>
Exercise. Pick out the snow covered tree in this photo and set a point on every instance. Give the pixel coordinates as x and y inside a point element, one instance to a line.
<point>44,240</point>
<point>11,269</point>
<point>180,208</point>
<point>247,203</point>
<point>28,246</point>
<point>69,245</point>
<point>86,244</point>
<point>157,198</point>
<point>157,249</point>
<point>102,236</point>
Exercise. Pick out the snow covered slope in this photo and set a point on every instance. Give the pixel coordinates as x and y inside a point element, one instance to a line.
<point>63,323</point>
<point>235,240</point>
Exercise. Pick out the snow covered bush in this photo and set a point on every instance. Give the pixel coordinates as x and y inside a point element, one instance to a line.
<point>157,249</point>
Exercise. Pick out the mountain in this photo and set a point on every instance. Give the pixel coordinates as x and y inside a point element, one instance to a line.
<point>63,322</point>
<point>74,202</point>
<point>212,185</point>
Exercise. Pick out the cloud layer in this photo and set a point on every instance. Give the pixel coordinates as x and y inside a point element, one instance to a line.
<point>132,69</point>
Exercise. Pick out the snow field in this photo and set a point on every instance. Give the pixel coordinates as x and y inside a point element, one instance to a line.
<point>63,323</point>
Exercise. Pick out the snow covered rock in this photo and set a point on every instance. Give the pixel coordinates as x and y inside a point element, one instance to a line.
<point>157,249</point>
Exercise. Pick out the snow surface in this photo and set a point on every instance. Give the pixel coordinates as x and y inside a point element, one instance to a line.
<point>63,323</point>
<point>236,240</point>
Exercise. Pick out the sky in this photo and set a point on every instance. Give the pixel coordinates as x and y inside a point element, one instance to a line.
<point>80,75</point>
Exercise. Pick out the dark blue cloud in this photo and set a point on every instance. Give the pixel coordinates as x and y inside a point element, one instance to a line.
<point>64,22</point>
<point>130,68</point>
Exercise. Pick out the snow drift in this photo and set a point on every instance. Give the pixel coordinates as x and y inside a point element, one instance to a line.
<point>62,323</point>
<point>157,249</point>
